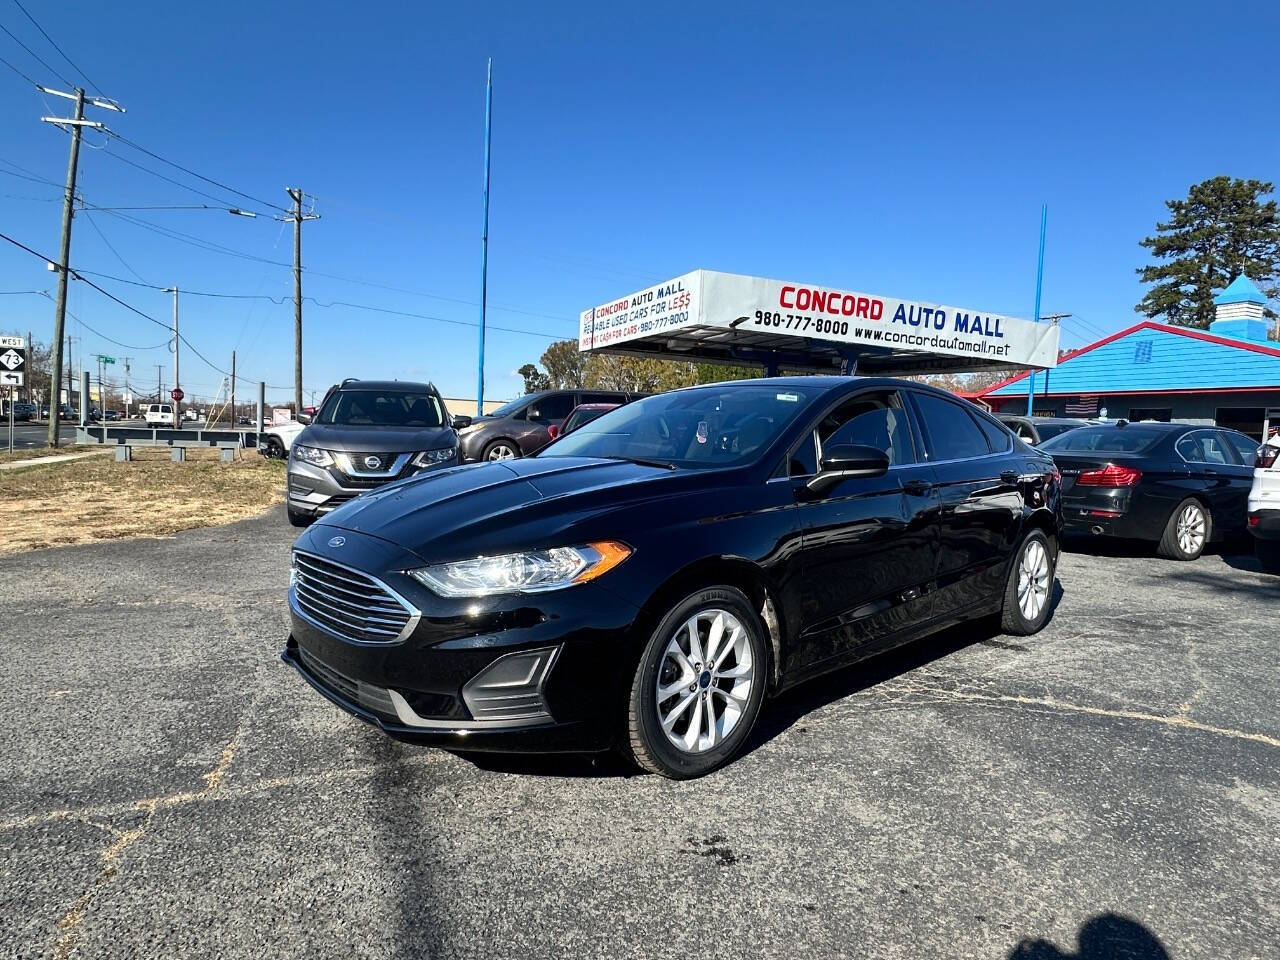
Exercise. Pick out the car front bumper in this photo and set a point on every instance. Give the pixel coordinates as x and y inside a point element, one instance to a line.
<point>316,490</point>
<point>535,673</point>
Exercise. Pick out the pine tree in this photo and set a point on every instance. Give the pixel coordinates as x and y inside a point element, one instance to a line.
<point>1223,229</point>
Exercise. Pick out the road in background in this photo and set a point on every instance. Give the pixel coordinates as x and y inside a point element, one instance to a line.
<point>171,789</point>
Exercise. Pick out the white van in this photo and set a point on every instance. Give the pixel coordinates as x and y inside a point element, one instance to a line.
<point>159,413</point>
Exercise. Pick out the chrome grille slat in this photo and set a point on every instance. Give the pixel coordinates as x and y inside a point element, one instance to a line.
<point>310,597</point>
<point>349,603</point>
<point>387,601</point>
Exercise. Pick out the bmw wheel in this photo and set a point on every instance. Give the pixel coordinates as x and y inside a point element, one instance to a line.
<point>698,686</point>
<point>1187,532</point>
<point>1029,588</point>
<point>500,450</point>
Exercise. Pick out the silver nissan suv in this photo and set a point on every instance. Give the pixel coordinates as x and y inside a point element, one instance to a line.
<point>365,434</point>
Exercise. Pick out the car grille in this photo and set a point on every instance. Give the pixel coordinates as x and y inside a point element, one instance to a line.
<point>348,603</point>
<point>367,695</point>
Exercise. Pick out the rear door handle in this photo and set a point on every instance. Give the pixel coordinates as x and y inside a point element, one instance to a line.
<point>1009,477</point>
<point>917,488</point>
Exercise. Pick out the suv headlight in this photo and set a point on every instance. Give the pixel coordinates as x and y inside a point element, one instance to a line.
<point>429,458</point>
<point>531,572</point>
<point>312,455</point>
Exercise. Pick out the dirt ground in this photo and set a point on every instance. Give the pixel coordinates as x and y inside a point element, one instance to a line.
<point>95,499</point>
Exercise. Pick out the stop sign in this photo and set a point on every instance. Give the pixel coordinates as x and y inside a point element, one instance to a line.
<point>177,394</point>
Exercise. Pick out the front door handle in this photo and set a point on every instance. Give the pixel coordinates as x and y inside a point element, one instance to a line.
<point>917,488</point>
<point>1009,477</point>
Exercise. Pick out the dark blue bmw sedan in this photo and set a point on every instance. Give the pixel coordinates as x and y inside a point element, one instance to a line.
<point>646,582</point>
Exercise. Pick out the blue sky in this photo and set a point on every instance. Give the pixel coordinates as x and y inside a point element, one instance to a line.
<point>899,149</point>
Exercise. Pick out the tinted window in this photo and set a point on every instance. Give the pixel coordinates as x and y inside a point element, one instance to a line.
<point>871,420</point>
<point>997,436</point>
<point>804,458</point>
<point>952,433</point>
<point>552,408</point>
<point>510,407</point>
<point>382,408</point>
<point>603,398</point>
<point>711,426</point>
<point>1204,447</point>
<point>583,415</point>
<point>1110,439</point>
<point>1047,430</point>
<point>1247,447</point>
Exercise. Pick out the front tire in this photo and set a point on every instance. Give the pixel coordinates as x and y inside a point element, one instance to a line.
<point>500,450</point>
<point>1187,532</point>
<point>1029,589</point>
<point>699,685</point>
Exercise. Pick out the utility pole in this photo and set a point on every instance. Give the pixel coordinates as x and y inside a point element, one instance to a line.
<point>233,389</point>
<point>177,347</point>
<point>77,123</point>
<point>159,382</point>
<point>31,352</point>
<point>298,217</point>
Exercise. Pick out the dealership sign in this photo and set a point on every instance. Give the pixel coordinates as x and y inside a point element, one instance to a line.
<point>705,298</point>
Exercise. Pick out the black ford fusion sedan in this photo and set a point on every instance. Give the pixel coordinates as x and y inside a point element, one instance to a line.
<point>1177,485</point>
<point>645,582</point>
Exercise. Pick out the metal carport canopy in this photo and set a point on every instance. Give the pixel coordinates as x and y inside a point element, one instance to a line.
<point>711,317</point>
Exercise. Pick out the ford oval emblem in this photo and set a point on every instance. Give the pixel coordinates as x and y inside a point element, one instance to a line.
<point>373,463</point>
<point>337,541</point>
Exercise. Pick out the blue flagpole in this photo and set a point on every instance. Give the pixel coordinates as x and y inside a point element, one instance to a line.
<point>1035,317</point>
<point>484,237</point>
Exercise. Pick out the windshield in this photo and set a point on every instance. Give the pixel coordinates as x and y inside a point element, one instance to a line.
<point>382,408</point>
<point>510,407</point>
<point>1104,440</point>
<point>713,426</point>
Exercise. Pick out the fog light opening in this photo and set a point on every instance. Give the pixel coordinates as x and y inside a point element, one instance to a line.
<point>511,688</point>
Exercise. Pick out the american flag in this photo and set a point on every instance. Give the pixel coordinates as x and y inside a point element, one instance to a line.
<point>1082,407</point>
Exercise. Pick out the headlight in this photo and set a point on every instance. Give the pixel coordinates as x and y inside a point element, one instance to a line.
<point>428,458</point>
<point>471,429</point>
<point>530,572</point>
<point>312,455</point>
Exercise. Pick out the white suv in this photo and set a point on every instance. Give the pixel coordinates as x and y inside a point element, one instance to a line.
<point>1264,504</point>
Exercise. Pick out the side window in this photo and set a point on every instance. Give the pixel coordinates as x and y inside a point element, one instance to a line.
<point>997,436</point>
<point>603,398</point>
<point>804,458</point>
<point>1247,447</point>
<point>953,435</point>
<point>552,408</point>
<point>873,420</point>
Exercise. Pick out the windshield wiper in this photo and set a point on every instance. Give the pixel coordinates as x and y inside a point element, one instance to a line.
<point>641,461</point>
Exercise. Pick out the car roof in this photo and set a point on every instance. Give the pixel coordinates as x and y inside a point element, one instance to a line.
<point>388,386</point>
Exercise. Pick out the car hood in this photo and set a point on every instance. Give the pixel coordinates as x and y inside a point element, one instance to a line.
<point>487,508</point>
<point>376,439</point>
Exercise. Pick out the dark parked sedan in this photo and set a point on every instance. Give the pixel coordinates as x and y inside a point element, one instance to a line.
<point>1177,485</point>
<point>1036,430</point>
<point>650,578</point>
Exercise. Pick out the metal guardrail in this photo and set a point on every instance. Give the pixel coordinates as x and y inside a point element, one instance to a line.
<point>164,436</point>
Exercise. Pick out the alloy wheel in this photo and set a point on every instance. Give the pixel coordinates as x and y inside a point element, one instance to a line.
<point>501,451</point>
<point>704,680</point>
<point>1033,579</point>
<point>1190,531</point>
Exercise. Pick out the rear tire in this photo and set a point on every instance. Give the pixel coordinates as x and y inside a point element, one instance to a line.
<point>1028,592</point>
<point>1268,554</point>
<point>710,652</point>
<point>300,519</point>
<point>1187,532</point>
<point>275,449</point>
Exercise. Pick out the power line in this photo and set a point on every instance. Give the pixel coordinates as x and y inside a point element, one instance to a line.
<point>195,241</point>
<point>96,333</point>
<point>36,56</point>
<point>161,176</point>
<point>93,223</point>
<point>55,46</point>
<point>198,176</point>
<point>18,72</point>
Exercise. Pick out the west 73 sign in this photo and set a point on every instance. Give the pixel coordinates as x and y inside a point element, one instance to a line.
<point>13,361</point>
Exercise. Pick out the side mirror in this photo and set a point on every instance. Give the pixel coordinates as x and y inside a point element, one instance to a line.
<point>553,431</point>
<point>303,418</point>
<point>844,461</point>
<point>460,421</point>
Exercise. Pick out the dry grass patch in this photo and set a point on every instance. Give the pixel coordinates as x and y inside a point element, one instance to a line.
<point>84,501</point>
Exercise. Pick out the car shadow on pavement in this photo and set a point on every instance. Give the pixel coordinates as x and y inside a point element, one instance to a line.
<point>1232,548</point>
<point>1107,936</point>
<point>781,713</point>
<point>1249,563</point>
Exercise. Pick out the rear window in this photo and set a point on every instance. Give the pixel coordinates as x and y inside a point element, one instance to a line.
<point>1048,430</point>
<point>1129,439</point>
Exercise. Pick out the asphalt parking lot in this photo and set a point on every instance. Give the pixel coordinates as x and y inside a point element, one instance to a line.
<point>169,788</point>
